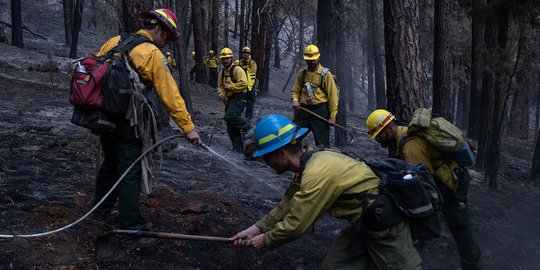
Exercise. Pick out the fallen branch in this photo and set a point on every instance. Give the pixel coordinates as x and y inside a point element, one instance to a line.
<point>25,28</point>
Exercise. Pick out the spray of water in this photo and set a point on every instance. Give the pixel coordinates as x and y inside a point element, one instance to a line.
<point>239,167</point>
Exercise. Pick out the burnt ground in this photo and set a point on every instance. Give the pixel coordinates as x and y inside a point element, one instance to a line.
<point>47,170</point>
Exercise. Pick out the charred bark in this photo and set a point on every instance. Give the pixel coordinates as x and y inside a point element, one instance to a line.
<point>442,85</point>
<point>404,72</point>
<point>16,24</point>
<point>77,21</point>
<point>535,169</point>
<point>198,38</point>
<point>477,65</point>
<point>259,19</point>
<point>214,22</point>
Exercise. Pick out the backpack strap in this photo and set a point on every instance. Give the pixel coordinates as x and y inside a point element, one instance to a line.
<point>127,42</point>
<point>323,75</point>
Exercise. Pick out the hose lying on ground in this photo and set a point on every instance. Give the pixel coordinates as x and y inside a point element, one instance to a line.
<point>97,204</point>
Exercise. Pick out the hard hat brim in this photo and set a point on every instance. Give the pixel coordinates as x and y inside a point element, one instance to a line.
<point>258,153</point>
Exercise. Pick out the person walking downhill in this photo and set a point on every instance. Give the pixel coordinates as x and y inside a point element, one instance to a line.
<point>315,89</point>
<point>451,179</point>
<point>124,144</point>
<point>250,67</point>
<point>328,181</point>
<point>212,62</point>
<point>232,89</point>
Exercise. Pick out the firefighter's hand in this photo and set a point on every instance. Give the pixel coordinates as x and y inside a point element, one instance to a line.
<point>331,121</point>
<point>226,86</point>
<point>257,241</point>
<point>223,98</point>
<point>242,238</point>
<point>296,105</point>
<point>193,137</point>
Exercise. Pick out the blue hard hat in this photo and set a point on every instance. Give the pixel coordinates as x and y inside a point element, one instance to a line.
<point>273,132</point>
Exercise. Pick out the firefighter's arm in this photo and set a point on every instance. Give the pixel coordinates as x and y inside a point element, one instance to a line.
<point>296,92</point>
<point>153,67</point>
<point>241,81</point>
<point>220,89</point>
<point>332,93</point>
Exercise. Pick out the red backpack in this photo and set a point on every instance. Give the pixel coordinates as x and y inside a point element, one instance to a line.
<point>101,88</point>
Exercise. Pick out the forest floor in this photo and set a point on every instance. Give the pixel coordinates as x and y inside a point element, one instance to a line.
<point>47,171</point>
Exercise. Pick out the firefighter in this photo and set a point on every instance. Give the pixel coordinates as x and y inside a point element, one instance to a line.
<point>315,89</point>
<point>250,67</point>
<point>232,90</point>
<point>212,62</point>
<point>328,181</point>
<point>452,181</point>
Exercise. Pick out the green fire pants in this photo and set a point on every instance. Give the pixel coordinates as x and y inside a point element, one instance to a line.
<point>120,149</point>
<point>320,129</point>
<point>390,249</point>
<point>235,122</point>
<point>456,213</point>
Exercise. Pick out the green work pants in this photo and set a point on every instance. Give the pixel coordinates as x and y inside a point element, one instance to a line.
<point>120,149</point>
<point>212,77</point>
<point>236,123</point>
<point>456,213</point>
<point>385,249</point>
<point>320,129</point>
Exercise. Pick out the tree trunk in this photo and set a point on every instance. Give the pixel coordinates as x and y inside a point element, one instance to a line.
<point>368,47</point>
<point>330,41</point>
<point>404,72</point>
<point>275,36</point>
<point>242,41</point>
<point>198,39</point>
<point>301,29</point>
<point>236,19</point>
<point>493,146</point>
<point>130,14</point>
<point>442,84</point>
<point>535,169</point>
<point>214,21</point>
<point>66,7</point>
<point>378,55</point>
<point>77,20</point>
<point>518,126</point>
<point>226,25</point>
<point>477,65</point>
<point>259,22</point>
<point>16,24</point>
<point>182,9</point>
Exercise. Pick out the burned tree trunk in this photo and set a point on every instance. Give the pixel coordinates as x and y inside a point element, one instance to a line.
<point>214,22</point>
<point>182,9</point>
<point>442,85</point>
<point>16,24</point>
<point>130,14</point>
<point>378,55</point>
<point>535,170</point>
<point>404,72</point>
<point>77,21</point>
<point>198,39</point>
<point>66,6</point>
<point>259,20</point>
<point>242,41</point>
<point>226,25</point>
<point>477,39</point>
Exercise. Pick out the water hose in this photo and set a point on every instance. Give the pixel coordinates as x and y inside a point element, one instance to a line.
<point>41,234</point>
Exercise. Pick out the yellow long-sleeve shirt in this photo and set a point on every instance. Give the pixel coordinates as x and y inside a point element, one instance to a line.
<point>330,93</point>
<point>211,62</point>
<point>235,87</point>
<point>327,176</point>
<point>152,67</point>
<point>418,150</point>
<point>250,67</point>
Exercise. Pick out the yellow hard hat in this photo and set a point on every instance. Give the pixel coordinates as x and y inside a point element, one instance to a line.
<point>211,52</point>
<point>311,52</point>
<point>376,122</point>
<point>246,50</point>
<point>226,53</point>
<point>193,53</point>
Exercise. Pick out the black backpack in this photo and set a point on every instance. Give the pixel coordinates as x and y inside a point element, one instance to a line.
<point>411,189</point>
<point>101,87</point>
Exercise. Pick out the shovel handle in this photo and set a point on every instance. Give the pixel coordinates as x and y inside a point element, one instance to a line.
<point>177,236</point>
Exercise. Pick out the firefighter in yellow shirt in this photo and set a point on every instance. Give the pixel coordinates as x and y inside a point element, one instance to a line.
<point>232,89</point>
<point>212,62</point>
<point>315,90</point>
<point>250,67</point>
<point>328,181</point>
